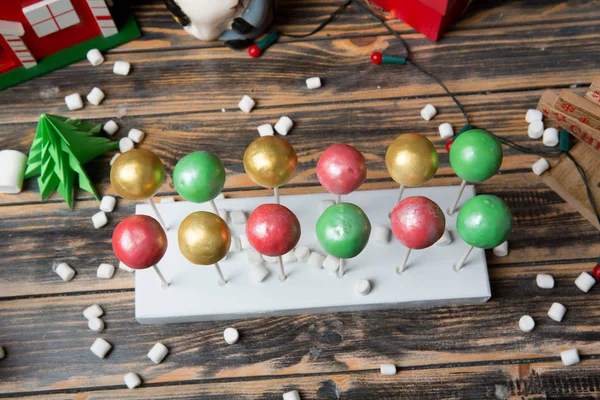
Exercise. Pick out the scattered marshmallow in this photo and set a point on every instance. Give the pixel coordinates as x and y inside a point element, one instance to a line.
<point>550,137</point>
<point>428,112</point>
<point>136,135</point>
<point>95,57</point>
<point>570,357</point>
<point>445,240</point>
<point>313,83</point>
<point>224,214</point>
<point>231,335</point>
<point>271,260</point>
<point>247,104</point>
<point>446,130</point>
<point>540,166</point>
<point>110,128</point>
<point>266,130</point>
<point>126,144</point>
<point>533,115</point>
<point>2,353</point>
<point>112,160</point>
<point>544,281</point>
<point>316,259</point>
<point>100,347</point>
<point>105,271</point>
<point>238,217</point>
<point>325,204</point>
<point>526,323</point>
<point>95,96</point>
<point>235,245</point>
<point>13,164</point>
<point>107,204</point>
<point>284,125</point>
<point>74,101</point>
<point>65,271</point>
<point>121,68</point>
<point>302,253</point>
<point>501,250</point>
<point>388,369</point>
<point>331,263</point>
<point>585,282</point>
<point>93,311</point>
<point>362,286</point>
<point>258,272</point>
<point>96,325</point>
<point>125,267</point>
<point>99,219</point>
<point>245,243</point>
<point>132,380</point>
<point>382,234</point>
<point>158,352</point>
<point>289,257</point>
<point>536,129</point>
<point>293,395</point>
<point>557,312</point>
<point>169,199</point>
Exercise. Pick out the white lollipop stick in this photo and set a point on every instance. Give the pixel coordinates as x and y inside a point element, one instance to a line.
<point>165,284</point>
<point>402,268</point>
<point>339,198</point>
<point>156,213</point>
<point>214,207</point>
<point>462,261</point>
<point>222,280</point>
<point>276,192</point>
<point>400,193</point>
<point>282,275</point>
<point>341,268</point>
<point>452,208</point>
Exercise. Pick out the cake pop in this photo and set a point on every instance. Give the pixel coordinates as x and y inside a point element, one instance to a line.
<point>341,169</point>
<point>417,223</point>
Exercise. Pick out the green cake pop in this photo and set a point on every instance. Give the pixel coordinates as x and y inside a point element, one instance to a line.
<point>199,177</point>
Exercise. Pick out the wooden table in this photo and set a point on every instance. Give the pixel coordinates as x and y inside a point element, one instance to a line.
<point>498,59</point>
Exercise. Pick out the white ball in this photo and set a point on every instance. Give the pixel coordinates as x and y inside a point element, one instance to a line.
<point>231,335</point>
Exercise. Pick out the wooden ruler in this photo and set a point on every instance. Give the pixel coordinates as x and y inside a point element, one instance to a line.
<point>579,108</point>
<point>593,93</point>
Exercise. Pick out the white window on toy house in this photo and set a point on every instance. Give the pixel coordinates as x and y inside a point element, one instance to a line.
<point>50,16</point>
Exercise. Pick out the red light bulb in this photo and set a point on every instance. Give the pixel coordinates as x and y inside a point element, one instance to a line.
<point>596,272</point>
<point>449,144</point>
<point>376,57</point>
<point>254,51</point>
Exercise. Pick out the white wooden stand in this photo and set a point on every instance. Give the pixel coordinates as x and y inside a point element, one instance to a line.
<point>195,294</point>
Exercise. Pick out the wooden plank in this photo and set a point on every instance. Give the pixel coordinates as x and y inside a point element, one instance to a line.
<point>593,92</point>
<point>56,334</point>
<point>583,110</point>
<point>192,80</point>
<point>481,382</point>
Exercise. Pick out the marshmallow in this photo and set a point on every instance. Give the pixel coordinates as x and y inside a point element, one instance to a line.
<point>266,130</point>
<point>65,271</point>
<point>107,204</point>
<point>235,245</point>
<point>550,137</point>
<point>570,357</point>
<point>526,323</point>
<point>136,135</point>
<point>238,217</point>
<point>382,234</point>
<point>284,126</point>
<point>362,286</point>
<point>501,250</point>
<point>169,199</point>
<point>100,347</point>
<point>445,240</point>
<point>540,166</point>
<point>271,260</point>
<point>293,395</point>
<point>388,369</point>
<point>316,259</point>
<point>258,272</point>
<point>325,204</point>
<point>446,130</point>
<point>302,253</point>
<point>121,68</point>
<point>247,104</point>
<point>99,219</point>
<point>158,352</point>
<point>96,325</point>
<point>533,115</point>
<point>2,353</point>
<point>585,282</point>
<point>110,128</point>
<point>12,166</point>
<point>428,112</point>
<point>331,263</point>
<point>74,102</point>
<point>125,144</point>
<point>125,267</point>
<point>536,129</point>
<point>289,257</point>
<point>313,83</point>
<point>95,57</point>
<point>557,312</point>
<point>105,271</point>
<point>95,96</point>
<point>254,257</point>
<point>245,243</point>
<point>112,160</point>
<point>231,335</point>
<point>544,281</point>
<point>132,380</point>
<point>93,311</point>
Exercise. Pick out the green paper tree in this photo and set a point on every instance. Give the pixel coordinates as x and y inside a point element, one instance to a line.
<point>60,148</point>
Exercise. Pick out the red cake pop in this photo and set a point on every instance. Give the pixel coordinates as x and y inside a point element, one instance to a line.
<point>273,230</point>
<point>417,223</point>
<point>140,242</point>
<point>341,169</point>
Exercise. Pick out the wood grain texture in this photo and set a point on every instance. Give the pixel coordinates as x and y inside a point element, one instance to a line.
<point>530,381</point>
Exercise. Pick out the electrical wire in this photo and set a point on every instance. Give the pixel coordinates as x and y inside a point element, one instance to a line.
<point>322,25</point>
